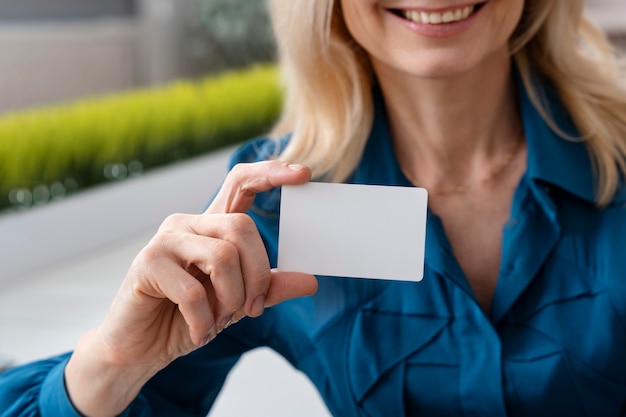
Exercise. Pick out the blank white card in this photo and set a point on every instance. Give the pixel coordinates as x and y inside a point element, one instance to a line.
<point>349,230</point>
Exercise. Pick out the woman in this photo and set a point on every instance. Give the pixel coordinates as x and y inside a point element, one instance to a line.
<point>511,114</point>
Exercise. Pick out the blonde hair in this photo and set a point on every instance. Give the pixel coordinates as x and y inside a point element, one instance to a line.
<point>328,102</point>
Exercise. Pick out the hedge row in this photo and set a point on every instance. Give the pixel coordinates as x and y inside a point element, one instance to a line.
<point>49,152</point>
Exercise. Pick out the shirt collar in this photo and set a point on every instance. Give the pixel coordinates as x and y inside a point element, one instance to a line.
<point>552,160</point>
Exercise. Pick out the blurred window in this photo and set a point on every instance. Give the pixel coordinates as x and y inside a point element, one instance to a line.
<point>63,9</point>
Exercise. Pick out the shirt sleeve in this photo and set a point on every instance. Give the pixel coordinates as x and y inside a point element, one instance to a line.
<point>186,388</point>
<point>23,389</point>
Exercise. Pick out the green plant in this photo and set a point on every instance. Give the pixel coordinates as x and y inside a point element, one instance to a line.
<point>46,153</point>
<point>226,34</point>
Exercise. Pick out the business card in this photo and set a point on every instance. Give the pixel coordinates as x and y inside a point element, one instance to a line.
<point>353,230</point>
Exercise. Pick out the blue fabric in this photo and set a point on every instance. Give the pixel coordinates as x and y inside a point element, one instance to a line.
<point>553,344</point>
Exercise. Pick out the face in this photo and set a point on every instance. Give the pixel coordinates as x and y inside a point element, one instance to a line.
<point>433,38</point>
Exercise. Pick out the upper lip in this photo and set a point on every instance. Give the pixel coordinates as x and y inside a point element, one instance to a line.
<point>426,8</point>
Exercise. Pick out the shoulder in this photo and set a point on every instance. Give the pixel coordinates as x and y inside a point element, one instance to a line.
<point>259,149</point>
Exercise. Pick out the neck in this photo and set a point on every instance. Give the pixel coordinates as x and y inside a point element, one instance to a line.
<point>456,130</point>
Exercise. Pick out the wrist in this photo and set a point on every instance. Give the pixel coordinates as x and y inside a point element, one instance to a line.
<point>99,386</point>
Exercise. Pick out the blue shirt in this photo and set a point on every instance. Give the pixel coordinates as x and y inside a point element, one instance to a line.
<point>553,343</point>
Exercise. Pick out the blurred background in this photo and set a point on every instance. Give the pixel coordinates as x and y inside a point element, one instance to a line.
<point>58,50</point>
<point>114,114</point>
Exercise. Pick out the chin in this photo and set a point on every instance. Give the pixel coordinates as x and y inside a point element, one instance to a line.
<point>451,64</point>
<point>437,70</point>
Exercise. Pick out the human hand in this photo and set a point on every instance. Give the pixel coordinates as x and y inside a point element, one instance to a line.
<point>197,275</point>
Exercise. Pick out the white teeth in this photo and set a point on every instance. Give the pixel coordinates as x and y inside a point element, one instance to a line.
<point>436,18</point>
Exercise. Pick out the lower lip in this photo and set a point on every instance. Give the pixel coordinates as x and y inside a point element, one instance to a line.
<point>443,30</point>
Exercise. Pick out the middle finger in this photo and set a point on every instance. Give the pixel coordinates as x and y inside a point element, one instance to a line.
<point>240,231</point>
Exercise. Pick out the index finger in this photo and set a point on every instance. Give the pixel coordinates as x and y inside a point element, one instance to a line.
<point>245,181</point>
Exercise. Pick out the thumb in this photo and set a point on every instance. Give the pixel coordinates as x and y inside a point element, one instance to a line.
<point>287,285</point>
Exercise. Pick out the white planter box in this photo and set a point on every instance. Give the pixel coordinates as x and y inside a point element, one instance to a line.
<point>42,236</point>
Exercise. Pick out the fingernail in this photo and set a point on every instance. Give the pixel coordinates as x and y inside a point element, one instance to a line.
<point>225,323</point>
<point>295,167</point>
<point>209,337</point>
<point>258,306</point>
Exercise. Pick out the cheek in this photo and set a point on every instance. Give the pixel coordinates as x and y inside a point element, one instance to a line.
<point>510,18</point>
<point>360,19</point>
<point>349,12</point>
<point>353,20</point>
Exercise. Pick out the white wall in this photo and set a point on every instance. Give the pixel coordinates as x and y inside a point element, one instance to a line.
<point>44,63</point>
<point>52,60</point>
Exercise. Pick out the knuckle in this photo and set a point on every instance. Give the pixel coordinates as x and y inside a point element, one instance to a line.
<point>174,221</point>
<point>193,293</point>
<point>241,223</point>
<point>151,253</point>
<point>225,254</point>
<point>244,177</point>
<point>160,243</point>
<point>238,170</point>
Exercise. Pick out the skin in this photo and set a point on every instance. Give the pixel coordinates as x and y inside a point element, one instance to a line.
<point>452,113</point>
<point>453,118</point>
<point>198,274</point>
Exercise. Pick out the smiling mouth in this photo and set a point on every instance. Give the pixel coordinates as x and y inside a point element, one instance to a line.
<point>438,18</point>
